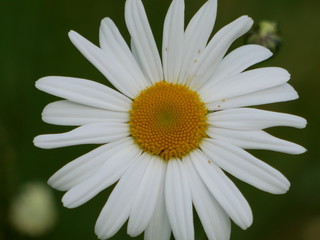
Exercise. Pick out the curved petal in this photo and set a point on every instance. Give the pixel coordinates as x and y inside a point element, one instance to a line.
<point>281,93</point>
<point>223,190</point>
<point>105,176</point>
<point>143,41</point>
<point>178,201</point>
<point>69,113</point>
<point>112,41</point>
<point>108,65</point>
<point>96,133</point>
<point>196,36</point>
<point>172,44</point>
<point>214,219</point>
<point>246,167</point>
<point>210,58</point>
<point>144,207</point>
<point>118,207</point>
<point>253,119</point>
<point>254,140</point>
<point>159,226</point>
<point>236,62</point>
<point>85,166</point>
<point>248,82</point>
<point>84,92</point>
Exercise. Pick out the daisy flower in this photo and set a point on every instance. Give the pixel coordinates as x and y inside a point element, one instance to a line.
<point>172,128</point>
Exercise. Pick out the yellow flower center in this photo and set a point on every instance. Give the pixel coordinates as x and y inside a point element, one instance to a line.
<point>168,120</point>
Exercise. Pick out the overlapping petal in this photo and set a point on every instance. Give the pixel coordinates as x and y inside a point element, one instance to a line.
<point>173,35</point>
<point>178,201</point>
<point>254,140</point>
<point>235,62</point>
<point>281,93</point>
<point>112,42</point>
<point>105,176</point>
<point>109,65</point>
<point>214,219</point>
<point>253,119</point>
<point>119,205</point>
<point>69,113</point>
<point>95,133</point>
<point>143,43</point>
<point>210,58</point>
<point>223,190</point>
<point>85,92</point>
<point>248,82</point>
<point>143,207</point>
<point>246,167</point>
<point>196,36</point>
<point>85,166</point>
<point>159,226</point>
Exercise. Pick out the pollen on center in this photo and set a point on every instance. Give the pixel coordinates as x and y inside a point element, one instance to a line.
<point>168,120</point>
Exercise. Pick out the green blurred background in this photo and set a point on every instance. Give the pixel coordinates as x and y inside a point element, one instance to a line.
<point>34,44</point>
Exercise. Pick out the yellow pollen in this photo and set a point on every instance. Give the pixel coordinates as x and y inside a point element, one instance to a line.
<point>168,120</point>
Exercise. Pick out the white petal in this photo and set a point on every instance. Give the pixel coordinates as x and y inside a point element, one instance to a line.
<point>105,176</point>
<point>159,226</point>
<point>85,166</point>
<point>223,190</point>
<point>178,201</point>
<point>214,219</point>
<point>142,37</point>
<point>150,186</point>
<point>216,49</point>
<point>246,167</point>
<point>119,205</point>
<point>69,113</point>
<point>196,36</point>
<point>108,65</point>
<point>253,119</point>
<point>84,92</point>
<point>281,93</point>
<point>254,140</point>
<point>112,41</point>
<point>135,54</point>
<point>237,61</point>
<point>248,82</point>
<point>172,44</point>
<point>95,133</point>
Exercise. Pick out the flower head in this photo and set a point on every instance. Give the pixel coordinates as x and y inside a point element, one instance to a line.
<point>172,128</point>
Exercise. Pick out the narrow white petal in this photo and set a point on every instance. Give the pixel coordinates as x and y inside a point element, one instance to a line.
<point>112,41</point>
<point>248,82</point>
<point>196,36</point>
<point>85,166</point>
<point>95,133</point>
<point>253,119</point>
<point>136,56</point>
<point>254,140</point>
<point>84,92</point>
<point>216,49</point>
<point>214,219</point>
<point>150,186</point>
<point>172,44</point>
<point>246,167</point>
<point>105,176</point>
<point>118,207</point>
<point>178,201</point>
<point>108,65</point>
<point>281,93</point>
<point>69,113</point>
<point>159,226</point>
<point>237,61</point>
<point>223,190</point>
<point>144,43</point>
